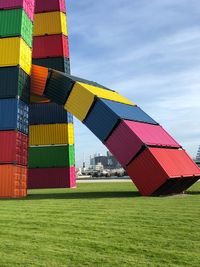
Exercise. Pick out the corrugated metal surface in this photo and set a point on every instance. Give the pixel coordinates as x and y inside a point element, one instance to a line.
<point>39,77</point>
<point>51,178</point>
<point>14,82</point>
<point>79,102</point>
<point>50,23</point>
<point>126,112</point>
<point>13,181</point>
<point>15,22</point>
<point>38,99</point>
<point>58,87</point>
<point>48,113</point>
<point>16,52</point>
<point>51,156</point>
<point>14,147</point>
<point>50,46</point>
<point>153,167</point>
<point>57,63</point>
<point>47,6</point>
<point>101,121</point>
<point>27,5</point>
<point>13,115</point>
<point>51,134</point>
<point>103,93</point>
<point>82,97</point>
<point>133,135</point>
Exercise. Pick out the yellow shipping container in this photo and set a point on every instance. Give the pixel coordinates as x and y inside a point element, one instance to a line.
<point>51,134</point>
<point>82,97</point>
<point>50,23</point>
<point>14,51</point>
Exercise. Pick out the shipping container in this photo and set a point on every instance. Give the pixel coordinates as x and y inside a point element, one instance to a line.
<point>27,5</point>
<point>50,23</point>
<point>48,113</point>
<point>122,111</point>
<point>14,147</point>
<point>15,22</point>
<point>51,134</point>
<point>15,52</point>
<point>82,97</point>
<point>57,63</point>
<point>14,83</point>
<point>13,181</point>
<point>13,115</point>
<point>51,156</point>
<point>48,6</point>
<point>58,87</point>
<point>51,178</point>
<point>50,46</point>
<point>155,166</point>
<point>39,77</point>
<point>133,136</point>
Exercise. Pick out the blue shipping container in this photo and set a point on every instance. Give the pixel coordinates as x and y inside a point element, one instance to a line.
<point>14,115</point>
<point>105,115</point>
<point>48,113</point>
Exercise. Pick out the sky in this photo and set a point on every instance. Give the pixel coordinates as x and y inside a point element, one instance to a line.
<point>149,51</point>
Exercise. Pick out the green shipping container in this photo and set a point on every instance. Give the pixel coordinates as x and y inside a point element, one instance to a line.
<point>16,23</point>
<point>51,156</point>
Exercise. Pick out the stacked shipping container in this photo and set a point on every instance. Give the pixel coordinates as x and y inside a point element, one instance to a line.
<point>16,26</point>
<point>51,142</point>
<point>156,163</point>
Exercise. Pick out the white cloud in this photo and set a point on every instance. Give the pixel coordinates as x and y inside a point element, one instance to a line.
<point>148,51</point>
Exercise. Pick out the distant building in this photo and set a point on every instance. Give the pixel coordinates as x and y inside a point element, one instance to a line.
<point>198,156</point>
<point>108,161</point>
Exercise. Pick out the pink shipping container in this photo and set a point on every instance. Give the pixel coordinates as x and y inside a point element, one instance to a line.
<point>13,147</point>
<point>51,178</point>
<point>50,5</point>
<point>50,46</point>
<point>27,5</point>
<point>161,171</point>
<point>129,137</point>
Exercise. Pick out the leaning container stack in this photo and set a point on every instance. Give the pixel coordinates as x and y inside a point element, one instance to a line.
<point>51,143</point>
<point>156,163</point>
<point>16,26</point>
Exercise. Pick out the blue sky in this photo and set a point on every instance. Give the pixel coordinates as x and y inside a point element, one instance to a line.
<point>147,50</point>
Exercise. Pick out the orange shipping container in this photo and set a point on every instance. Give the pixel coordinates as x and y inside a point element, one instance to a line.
<point>13,181</point>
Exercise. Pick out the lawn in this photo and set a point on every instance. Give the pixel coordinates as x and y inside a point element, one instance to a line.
<point>102,224</point>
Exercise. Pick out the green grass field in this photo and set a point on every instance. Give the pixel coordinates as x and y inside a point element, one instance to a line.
<point>105,224</point>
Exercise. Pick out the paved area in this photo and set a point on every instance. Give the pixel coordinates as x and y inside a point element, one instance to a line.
<point>104,180</point>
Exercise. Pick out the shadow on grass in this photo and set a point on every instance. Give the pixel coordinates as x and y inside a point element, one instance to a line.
<point>83,195</point>
<point>192,192</point>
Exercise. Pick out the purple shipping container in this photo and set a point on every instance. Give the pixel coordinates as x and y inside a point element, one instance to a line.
<point>48,6</point>
<point>27,5</point>
<point>129,137</point>
<point>51,178</point>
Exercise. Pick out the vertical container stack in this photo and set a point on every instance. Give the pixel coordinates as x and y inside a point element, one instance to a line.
<point>51,143</point>
<point>16,28</point>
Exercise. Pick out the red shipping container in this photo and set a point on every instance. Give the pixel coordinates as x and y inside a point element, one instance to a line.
<point>50,5</point>
<point>27,5</point>
<point>129,137</point>
<point>13,147</point>
<point>50,46</point>
<point>51,178</point>
<point>13,181</point>
<point>155,166</point>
